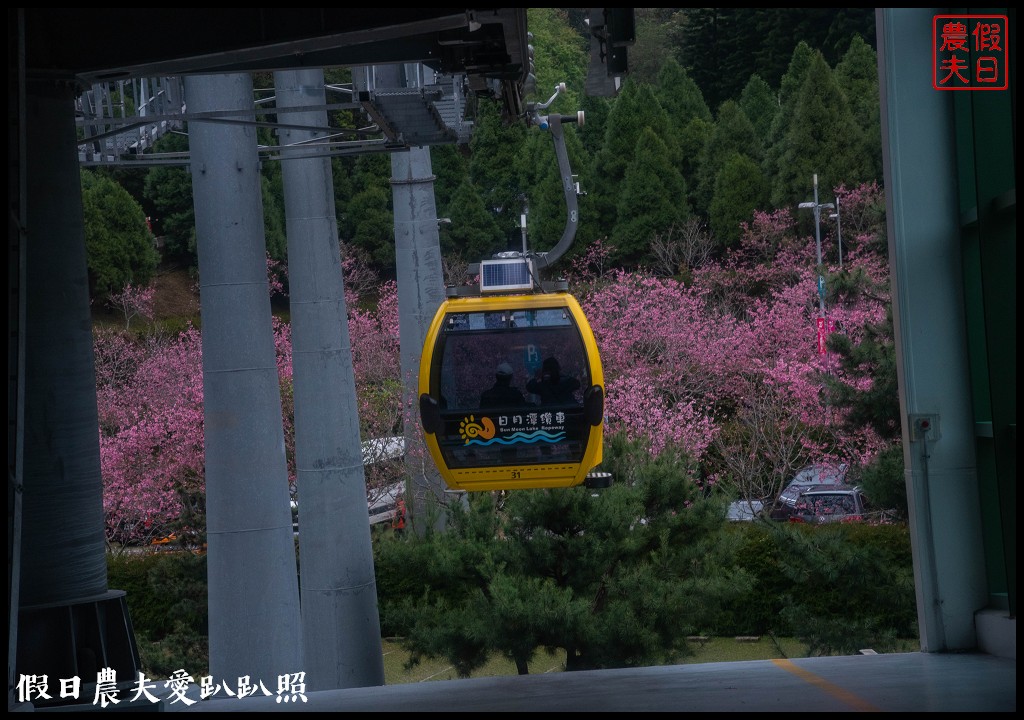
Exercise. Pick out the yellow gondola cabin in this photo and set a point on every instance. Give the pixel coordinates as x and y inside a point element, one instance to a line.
<point>512,392</point>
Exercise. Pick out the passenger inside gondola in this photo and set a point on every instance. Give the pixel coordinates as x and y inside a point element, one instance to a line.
<point>502,394</point>
<point>551,386</point>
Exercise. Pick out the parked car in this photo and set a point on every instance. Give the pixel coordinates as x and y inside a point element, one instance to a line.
<point>806,479</point>
<point>382,459</point>
<point>830,503</point>
<point>389,506</point>
<point>741,510</point>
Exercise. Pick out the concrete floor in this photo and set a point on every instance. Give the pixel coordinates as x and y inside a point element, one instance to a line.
<point>905,682</point>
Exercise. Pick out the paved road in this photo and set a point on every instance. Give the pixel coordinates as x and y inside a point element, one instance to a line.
<point>905,682</point>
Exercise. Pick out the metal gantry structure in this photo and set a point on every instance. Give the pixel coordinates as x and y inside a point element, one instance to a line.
<point>120,121</point>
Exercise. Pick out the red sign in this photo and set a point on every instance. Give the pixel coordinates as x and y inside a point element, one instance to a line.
<point>969,52</point>
<point>822,336</point>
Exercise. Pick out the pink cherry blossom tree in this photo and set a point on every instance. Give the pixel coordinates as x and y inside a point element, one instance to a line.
<point>727,365</point>
<point>133,301</point>
<point>723,363</point>
<point>149,396</point>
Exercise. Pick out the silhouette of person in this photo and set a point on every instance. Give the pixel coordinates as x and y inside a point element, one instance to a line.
<point>551,386</point>
<point>502,393</point>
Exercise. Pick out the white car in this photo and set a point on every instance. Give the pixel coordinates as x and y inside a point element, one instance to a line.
<point>741,510</point>
<point>384,505</point>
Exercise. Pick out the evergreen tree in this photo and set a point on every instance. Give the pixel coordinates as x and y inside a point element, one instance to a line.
<point>493,169</point>
<point>740,189</point>
<point>884,481</point>
<point>733,133</point>
<point>450,164</point>
<point>272,193</point>
<point>760,104</point>
<point>679,95</point>
<point>616,579</point>
<point>133,180</point>
<point>700,35</point>
<point>342,169</point>
<point>692,140</point>
<point>652,199</point>
<point>369,222</point>
<point>371,226</point>
<point>609,164</point>
<point>789,89</point>
<point>723,46</point>
<point>691,119</point>
<point>473,234</point>
<point>653,48</point>
<point>857,76</point>
<point>875,401</point>
<point>169,190</point>
<point>595,114</point>
<point>635,110</point>
<point>119,245</point>
<point>740,38</point>
<point>822,138</point>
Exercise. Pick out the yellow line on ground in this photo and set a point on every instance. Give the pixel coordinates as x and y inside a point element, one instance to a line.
<point>854,701</point>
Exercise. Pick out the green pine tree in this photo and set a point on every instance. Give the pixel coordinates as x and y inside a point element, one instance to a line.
<point>368,223</point>
<point>473,234</point>
<point>652,199</point>
<point>371,224</point>
<point>679,95</point>
<point>169,190</point>
<point>450,164</point>
<point>823,138</point>
<point>760,104</point>
<point>789,89</point>
<point>272,193</point>
<point>733,133</point>
<point>635,110</point>
<point>493,167</point>
<point>119,245</point>
<point>740,189</point>
<point>857,76</point>
<point>615,579</point>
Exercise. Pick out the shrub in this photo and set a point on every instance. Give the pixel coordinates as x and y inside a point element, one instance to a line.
<point>167,602</point>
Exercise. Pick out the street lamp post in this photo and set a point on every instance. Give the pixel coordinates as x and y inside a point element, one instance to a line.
<point>816,206</point>
<point>839,232</point>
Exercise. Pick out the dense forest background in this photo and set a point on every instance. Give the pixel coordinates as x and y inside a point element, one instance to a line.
<point>743,107</point>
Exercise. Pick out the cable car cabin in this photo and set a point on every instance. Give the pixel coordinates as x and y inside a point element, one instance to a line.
<point>512,392</point>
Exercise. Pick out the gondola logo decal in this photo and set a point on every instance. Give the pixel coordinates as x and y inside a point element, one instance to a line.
<point>469,429</point>
<point>482,433</point>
